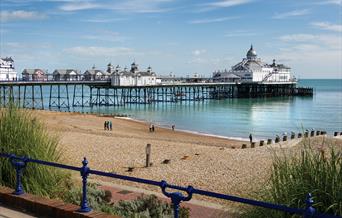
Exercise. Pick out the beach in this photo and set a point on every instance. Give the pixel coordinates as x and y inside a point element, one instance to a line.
<point>205,162</point>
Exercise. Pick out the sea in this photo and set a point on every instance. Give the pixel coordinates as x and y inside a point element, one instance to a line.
<point>237,118</point>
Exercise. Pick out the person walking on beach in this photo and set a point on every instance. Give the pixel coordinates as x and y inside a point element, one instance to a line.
<point>105,125</point>
<point>173,127</point>
<point>250,138</point>
<point>152,128</point>
<point>110,125</point>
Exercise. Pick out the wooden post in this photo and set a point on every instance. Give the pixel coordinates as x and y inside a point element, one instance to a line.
<point>148,155</point>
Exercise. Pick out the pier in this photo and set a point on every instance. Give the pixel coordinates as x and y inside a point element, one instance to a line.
<point>63,95</point>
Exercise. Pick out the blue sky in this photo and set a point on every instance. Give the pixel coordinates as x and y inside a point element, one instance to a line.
<point>179,36</point>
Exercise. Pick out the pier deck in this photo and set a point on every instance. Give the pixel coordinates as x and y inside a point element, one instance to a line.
<point>62,95</point>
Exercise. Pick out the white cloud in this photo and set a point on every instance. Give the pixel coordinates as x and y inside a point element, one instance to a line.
<point>198,52</point>
<point>328,26</point>
<point>132,6</point>
<point>221,4</point>
<point>227,3</point>
<point>211,20</point>
<point>331,41</point>
<point>109,36</point>
<point>308,54</point>
<point>295,13</point>
<point>103,20</point>
<point>333,2</point>
<point>78,6</point>
<point>20,15</point>
<point>240,33</point>
<point>95,51</point>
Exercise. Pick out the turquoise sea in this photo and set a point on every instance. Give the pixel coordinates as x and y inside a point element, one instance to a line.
<point>237,118</point>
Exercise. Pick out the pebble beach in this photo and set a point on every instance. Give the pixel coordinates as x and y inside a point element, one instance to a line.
<point>205,162</point>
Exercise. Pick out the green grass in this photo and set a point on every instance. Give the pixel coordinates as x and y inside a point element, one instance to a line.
<point>23,135</point>
<point>316,170</point>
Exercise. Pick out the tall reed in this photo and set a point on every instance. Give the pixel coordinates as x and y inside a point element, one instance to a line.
<point>314,170</point>
<point>24,135</point>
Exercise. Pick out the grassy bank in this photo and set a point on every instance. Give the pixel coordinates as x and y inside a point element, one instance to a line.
<point>24,135</point>
<point>315,169</point>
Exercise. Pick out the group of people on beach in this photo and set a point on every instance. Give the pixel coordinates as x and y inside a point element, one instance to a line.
<point>151,128</point>
<point>108,125</point>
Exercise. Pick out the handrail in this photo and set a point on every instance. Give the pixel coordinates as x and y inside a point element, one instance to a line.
<point>19,163</point>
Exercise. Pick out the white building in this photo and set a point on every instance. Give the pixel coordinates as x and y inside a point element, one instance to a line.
<point>252,69</point>
<point>7,71</point>
<point>134,77</point>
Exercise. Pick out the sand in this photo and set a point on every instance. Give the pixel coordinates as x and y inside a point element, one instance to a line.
<point>204,162</point>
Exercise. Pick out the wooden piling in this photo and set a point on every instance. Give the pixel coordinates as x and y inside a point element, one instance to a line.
<point>148,155</point>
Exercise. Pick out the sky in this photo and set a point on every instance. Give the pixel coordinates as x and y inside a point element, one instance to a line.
<point>179,36</point>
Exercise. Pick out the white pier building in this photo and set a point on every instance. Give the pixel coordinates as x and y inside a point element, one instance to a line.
<point>7,71</point>
<point>252,69</point>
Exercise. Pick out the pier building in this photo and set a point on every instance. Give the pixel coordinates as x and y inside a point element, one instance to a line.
<point>133,77</point>
<point>7,71</point>
<point>253,69</point>
<point>66,74</point>
<point>34,75</point>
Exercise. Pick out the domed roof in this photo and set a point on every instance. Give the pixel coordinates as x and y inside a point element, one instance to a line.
<point>251,53</point>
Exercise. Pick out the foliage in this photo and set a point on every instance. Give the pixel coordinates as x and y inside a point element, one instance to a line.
<point>22,134</point>
<point>316,170</point>
<point>142,207</point>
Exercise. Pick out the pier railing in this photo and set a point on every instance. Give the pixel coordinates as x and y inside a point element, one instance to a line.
<point>177,197</point>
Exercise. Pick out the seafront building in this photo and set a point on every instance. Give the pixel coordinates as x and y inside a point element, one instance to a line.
<point>133,77</point>
<point>34,75</point>
<point>7,71</point>
<point>253,69</point>
<point>66,75</point>
<point>95,74</point>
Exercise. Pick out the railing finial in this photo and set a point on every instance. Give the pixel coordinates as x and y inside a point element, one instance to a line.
<point>309,209</point>
<point>84,173</point>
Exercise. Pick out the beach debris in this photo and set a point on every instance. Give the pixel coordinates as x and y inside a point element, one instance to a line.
<point>244,146</point>
<point>300,135</point>
<point>148,155</point>
<point>130,169</point>
<point>269,141</point>
<point>185,157</point>
<point>293,135</point>
<point>221,148</point>
<point>261,143</point>
<point>252,144</point>
<point>166,161</point>
<point>197,154</point>
<point>312,133</point>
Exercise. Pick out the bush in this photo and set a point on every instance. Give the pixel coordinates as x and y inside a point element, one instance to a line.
<point>143,207</point>
<point>23,135</point>
<point>316,170</point>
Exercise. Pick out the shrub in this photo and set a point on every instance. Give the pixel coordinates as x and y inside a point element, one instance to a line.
<point>142,207</point>
<point>316,170</point>
<point>23,135</point>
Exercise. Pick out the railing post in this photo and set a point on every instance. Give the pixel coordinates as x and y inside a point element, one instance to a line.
<point>309,209</point>
<point>19,165</point>
<point>176,197</point>
<point>84,173</point>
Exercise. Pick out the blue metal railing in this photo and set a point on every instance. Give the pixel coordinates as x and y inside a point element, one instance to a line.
<point>19,163</point>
